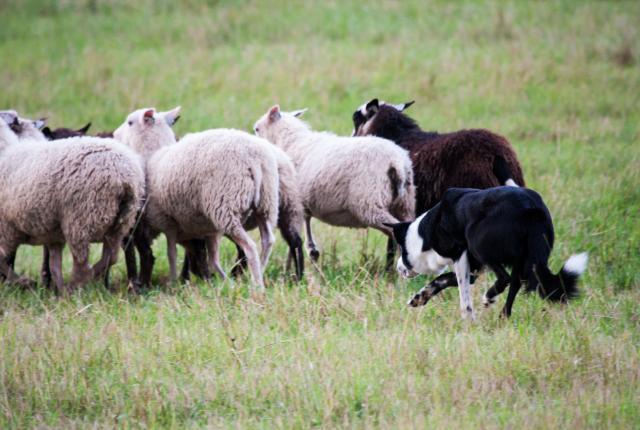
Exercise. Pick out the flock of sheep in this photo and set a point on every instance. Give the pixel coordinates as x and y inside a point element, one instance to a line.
<point>61,187</point>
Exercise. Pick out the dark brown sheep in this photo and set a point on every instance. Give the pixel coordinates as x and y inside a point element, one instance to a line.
<point>475,158</point>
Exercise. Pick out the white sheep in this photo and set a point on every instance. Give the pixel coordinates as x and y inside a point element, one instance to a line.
<point>205,186</point>
<point>78,191</point>
<point>290,214</point>
<point>355,182</point>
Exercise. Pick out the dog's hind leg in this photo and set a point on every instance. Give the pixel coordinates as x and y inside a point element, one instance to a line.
<point>498,287</point>
<point>513,290</point>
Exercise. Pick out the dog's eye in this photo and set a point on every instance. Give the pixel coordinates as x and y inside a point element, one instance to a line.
<point>130,123</point>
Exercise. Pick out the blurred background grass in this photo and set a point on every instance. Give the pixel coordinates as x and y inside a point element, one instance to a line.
<point>560,79</point>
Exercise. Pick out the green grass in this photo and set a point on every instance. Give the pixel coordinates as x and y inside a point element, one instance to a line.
<point>560,79</point>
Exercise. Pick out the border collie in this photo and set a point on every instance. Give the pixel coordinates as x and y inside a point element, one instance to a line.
<point>495,228</point>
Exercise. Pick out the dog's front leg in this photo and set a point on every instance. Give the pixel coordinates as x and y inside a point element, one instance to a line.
<point>461,267</point>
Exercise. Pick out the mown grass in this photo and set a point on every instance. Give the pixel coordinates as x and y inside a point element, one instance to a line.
<point>561,80</point>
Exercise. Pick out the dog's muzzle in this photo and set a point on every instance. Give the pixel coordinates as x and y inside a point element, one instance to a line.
<point>403,271</point>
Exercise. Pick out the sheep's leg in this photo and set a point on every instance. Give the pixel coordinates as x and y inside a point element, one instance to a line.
<point>311,244</point>
<point>391,254</point>
<point>186,266</point>
<point>81,272</point>
<point>45,271</point>
<point>11,260</point>
<point>102,264</point>
<point>213,249</point>
<point>242,238</point>
<point>172,255</point>
<point>296,253</point>
<point>241,263</point>
<point>6,270</point>
<point>197,258</point>
<point>54,263</point>
<point>110,248</point>
<point>130,259</point>
<point>267,239</point>
<point>146,259</point>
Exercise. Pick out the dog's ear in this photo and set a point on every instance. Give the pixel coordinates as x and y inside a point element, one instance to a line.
<point>399,231</point>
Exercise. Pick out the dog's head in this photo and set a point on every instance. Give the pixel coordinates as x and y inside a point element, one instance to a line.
<point>417,241</point>
<point>404,266</point>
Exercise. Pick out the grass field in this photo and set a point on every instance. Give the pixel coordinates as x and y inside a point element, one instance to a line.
<point>560,79</point>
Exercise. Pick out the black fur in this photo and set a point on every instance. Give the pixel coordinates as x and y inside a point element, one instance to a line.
<point>498,227</point>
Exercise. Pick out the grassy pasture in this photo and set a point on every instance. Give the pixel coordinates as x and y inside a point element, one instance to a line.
<point>560,79</point>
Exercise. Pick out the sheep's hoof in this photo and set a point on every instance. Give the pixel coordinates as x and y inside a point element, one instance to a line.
<point>134,286</point>
<point>315,255</point>
<point>237,271</point>
<point>24,282</point>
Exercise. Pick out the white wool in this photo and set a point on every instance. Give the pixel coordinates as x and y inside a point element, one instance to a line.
<point>206,184</point>
<point>76,191</point>
<point>344,181</point>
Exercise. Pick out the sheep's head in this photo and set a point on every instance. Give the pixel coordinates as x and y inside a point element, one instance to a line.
<point>8,118</point>
<point>146,130</point>
<point>365,117</point>
<point>25,128</point>
<point>64,133</point>
<point>268,125</point>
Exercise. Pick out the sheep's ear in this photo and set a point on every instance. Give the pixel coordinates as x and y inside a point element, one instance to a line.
<point>47,133</point>
<point>9,116</point>
<point>402,106</point>
<point>172,116</point>
<point>147,117</point>
<point>372,106</point>
<point>82,130</point>
<point>274,113</point>
<point>40,123</point>
<point>299,112</point>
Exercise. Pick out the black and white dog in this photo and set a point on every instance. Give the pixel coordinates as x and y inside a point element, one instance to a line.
<point>496,228</point>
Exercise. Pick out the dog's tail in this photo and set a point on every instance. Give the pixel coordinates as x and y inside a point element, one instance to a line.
<point>502,172</point>
<point>556,288</point>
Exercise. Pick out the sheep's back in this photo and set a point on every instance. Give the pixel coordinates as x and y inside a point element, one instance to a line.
<point>78,184</point>
<point>204,182</point>
<point>460,159</point>
<point>346,172</point>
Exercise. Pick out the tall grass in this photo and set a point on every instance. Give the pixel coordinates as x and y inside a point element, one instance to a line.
<point>560,80</point>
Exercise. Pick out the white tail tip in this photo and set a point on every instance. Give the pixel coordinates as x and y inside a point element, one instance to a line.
<point>577,264</point>
<point>511,183</point>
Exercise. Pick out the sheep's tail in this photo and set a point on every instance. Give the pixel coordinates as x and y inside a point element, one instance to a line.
<point>556,288</point>
<point>128,206</point>
<point>502,172</point>
<point>402,190</point>
<point>265,179</point>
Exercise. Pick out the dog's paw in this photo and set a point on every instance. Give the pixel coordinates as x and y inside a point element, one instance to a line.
<point>468,314</point>
<point>488,301</point>
<point>421,298</point>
